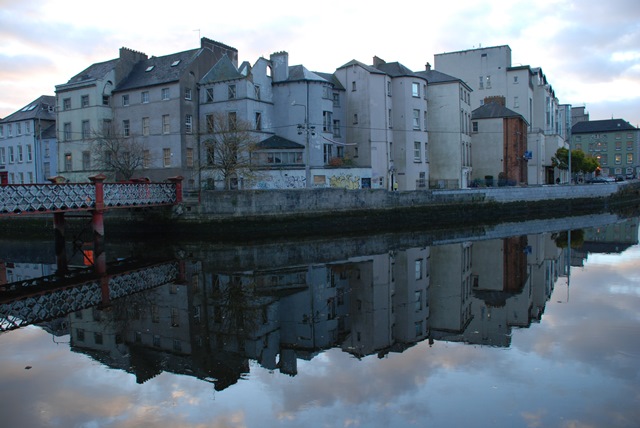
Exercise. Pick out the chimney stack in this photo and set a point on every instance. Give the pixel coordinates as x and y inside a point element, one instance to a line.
<point>280,66</point>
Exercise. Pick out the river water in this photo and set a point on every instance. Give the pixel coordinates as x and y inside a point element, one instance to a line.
<point>518,325</point>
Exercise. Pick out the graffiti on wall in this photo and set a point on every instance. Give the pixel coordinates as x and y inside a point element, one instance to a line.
<point>288,182</point>
<point>345,181</point>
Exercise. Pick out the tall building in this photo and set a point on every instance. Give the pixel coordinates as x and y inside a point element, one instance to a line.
<point>450,157</point>
<point>527,91</point>
<point>28,142</point>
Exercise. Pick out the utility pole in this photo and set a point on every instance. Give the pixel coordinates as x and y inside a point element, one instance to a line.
<point>308,131</point>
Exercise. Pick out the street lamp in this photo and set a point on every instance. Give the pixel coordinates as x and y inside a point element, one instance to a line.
<point>307,130</point>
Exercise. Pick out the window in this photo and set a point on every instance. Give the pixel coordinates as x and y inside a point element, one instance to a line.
<point>166,157</point>
<point>425,120</point>
<point>166,125</point>
<point>84,101</point>
<point>106,127</point>
<point>146,158</point>
<point>415,89</point>
<point>1,131</point>
<point>165,94</point>
<point>629,145</point>
<point>389,118</point>
<point>481,82</point>
<point>12,158</point>
<point>355,118</point>
<point>327,121</point>
<point>353,86</point>
<point>418,268</point>
<point>126,131</point>
<point>86,160</point>
<point>416,119</point>
<point>258,121</point>
<point>66,104</point>
<point>418,300</point>
<point>30,175</point>
<point>474,126</point>
<point>20,155</point>
<point>209,123</point>
<point>67,131</point>
<point>86,130</point>
<point>618,145</point>
<point>388,88</point>
<point>417,151</point>
<point>516,103</point>
<point>145,126</point>
<point>327,150</point>
<point>336,99</point>
<point>67,162</point>
<point>144,97</point>
<point>9,130</point>
<point>175,318</point>
<point>189,157</point>
<point>418,328</point>
<point>618,159</point>
<point>187,94</point>
<point>426,154</point>
<point>148,69</point>
<point>231,92</point>
<point>256,89</point>
<point>3,156</point>
<point>29,153</point>
<point>232,120</point>
<point>208,95</point>
<point>125,100</point>
<point>18,129</point>
<point>27,128</point>
<point>336,128</point>
<point>488,83</point>
<point>515,80</point>
<point>106,99</point>
<point>188,124</point>
<point>629,157</point>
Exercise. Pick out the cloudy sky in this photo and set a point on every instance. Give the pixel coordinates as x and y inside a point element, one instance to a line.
<point>589,51</point>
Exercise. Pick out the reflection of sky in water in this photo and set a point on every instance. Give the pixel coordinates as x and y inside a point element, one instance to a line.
<point>579,367</point>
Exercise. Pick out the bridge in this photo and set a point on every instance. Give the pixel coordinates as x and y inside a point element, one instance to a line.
<point>42,299</point>
<point>60,197</point>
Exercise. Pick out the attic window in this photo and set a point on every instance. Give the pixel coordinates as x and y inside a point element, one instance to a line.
<point>150,68</point>
<point>174,63</point>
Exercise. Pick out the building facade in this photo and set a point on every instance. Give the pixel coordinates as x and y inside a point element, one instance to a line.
<point>614,142</point>
<point>28,143</point>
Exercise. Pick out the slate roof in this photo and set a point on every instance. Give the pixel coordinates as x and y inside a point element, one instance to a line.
<point>493,111</point>
<point>162,72</point>
<point>331,78</point>
<point>298,72</point>
<point>222,71</point>
<point>609,125</point>
<point>434,76</point>
<point>369,68</point>
<point>395,69</point>
<point>276,142</point>
<point>37,109</point>
<point>94,71</point>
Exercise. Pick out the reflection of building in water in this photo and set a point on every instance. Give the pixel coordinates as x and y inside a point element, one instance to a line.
<point>14,272</point>
<point>389,302</point>
<point>610,239</point>
<point>450,290</point>
<point>511,280</point>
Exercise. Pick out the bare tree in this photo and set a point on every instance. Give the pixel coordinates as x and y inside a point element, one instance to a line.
<point>229,144</point>
<point>117,152</point>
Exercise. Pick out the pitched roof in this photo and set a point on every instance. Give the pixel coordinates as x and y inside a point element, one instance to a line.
<point>94,71</point>
<point>40,108</point>
<point>331,78</point>
<point>609,125</point>
<point>222,71</point>
<point>395,69</point>
<point>369,68</point>
<point>158,70</point>
<point>277,142</point>
<point>494,111</point>
<point>434,76</point>
<point>299,72</point>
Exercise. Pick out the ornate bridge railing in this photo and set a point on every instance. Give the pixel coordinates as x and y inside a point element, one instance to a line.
<point>97,195</point>
<point>46,298</point>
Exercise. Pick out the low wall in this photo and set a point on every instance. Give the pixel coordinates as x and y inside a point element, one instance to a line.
<point>301,202</point>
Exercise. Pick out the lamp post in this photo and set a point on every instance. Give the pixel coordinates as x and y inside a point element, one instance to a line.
<point>307,130</point>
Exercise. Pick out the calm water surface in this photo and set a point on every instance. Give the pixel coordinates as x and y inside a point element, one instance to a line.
<point>480,328</point>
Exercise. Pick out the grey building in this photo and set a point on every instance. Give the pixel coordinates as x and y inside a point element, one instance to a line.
<point>28,142</point>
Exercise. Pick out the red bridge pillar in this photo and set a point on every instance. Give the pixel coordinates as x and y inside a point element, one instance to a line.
<point>178,182</point>
<point>97,224</point>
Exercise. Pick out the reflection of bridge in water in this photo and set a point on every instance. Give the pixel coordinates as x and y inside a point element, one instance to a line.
<point>42,299</point>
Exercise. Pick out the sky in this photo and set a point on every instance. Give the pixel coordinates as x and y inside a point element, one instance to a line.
<point>589,51</point>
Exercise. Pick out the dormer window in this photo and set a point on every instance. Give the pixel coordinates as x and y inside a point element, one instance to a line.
<point>174,63</point>
<point>149,68</point>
